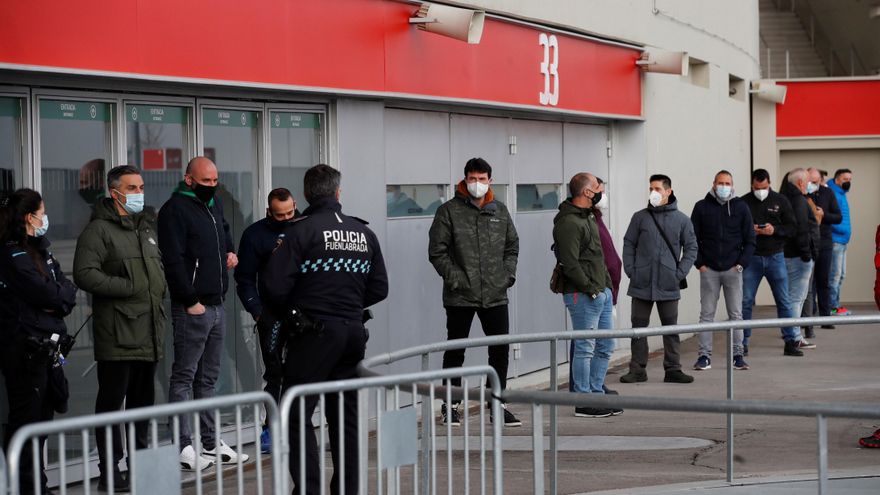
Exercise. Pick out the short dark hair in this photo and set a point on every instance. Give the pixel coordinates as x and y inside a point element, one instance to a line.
<point>841,171</point>
<point>320,181</point>
<point>479,166</point>
<point>723,172</point>
<point>599,180</point>
<point>823,173</point>
<point>116,173</point>
<point>667,182</point>
<point>760,175</point>
<point>278,194</point>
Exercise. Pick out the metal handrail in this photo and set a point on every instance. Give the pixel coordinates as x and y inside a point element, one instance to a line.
<point>365,368</point>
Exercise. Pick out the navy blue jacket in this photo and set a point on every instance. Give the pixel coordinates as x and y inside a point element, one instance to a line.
<point>194,239</point>
<point>34,299</point>
<point>725,233</point>
<point>329,265</point>
<point>254,249</point>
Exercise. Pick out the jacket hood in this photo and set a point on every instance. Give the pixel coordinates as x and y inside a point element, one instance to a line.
<point>834,187</point>
<point>672,205</point>
<point>184,190</point>
<point>105,209</point>
<point>567,208</point>
<point>790,190</point>
<point>461,191</point>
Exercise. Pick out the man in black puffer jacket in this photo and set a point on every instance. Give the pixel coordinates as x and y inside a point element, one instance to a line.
<point>801,248</point>
<point>197,251</point>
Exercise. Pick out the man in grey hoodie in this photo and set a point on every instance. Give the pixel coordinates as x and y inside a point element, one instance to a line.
<point>659,249</point>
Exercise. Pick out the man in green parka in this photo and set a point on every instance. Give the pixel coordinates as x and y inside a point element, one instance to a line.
<point>474,247</point>
<point>118,262</point>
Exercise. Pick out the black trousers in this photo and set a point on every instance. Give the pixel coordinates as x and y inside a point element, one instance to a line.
<point>317,357</point>
<point>494,320</point>
<point>118,381</point>
<point>641,316</point>
<point>27,391</point>
<point>272,340</point>
<point>819,298</point>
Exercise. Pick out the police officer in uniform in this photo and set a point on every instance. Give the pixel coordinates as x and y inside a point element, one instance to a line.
<point>322,275</point>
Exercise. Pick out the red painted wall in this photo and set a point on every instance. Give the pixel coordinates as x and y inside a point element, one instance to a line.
<point>345,44</point>
<point>832,108</point>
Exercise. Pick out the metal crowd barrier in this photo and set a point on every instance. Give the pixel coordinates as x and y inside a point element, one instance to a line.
<point>400,448</point>
<point>555,398</point>
<point>156,467</point>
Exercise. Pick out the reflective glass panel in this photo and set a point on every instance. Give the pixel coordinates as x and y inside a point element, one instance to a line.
<point>406,200</point>
<point>11,145</point>
<point>295,139</point>
<point>537,197</point>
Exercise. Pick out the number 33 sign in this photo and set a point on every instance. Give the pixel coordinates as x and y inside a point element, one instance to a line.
<point>549,70</point>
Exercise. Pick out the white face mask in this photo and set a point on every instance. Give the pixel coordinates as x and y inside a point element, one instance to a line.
<point>477,189</point>
<point>762,194</point>
<point>655,198</point>
<point>603,202</point>
<point>812,187</point>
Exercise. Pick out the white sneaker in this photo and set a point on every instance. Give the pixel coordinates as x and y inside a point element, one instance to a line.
<point>188,461</point>
<point>226,454</point>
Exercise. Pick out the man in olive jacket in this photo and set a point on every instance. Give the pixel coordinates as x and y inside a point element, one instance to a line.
<point>473,245</point>
<point>586,288</point>
<point>655,271</point>
<point>118,262</point>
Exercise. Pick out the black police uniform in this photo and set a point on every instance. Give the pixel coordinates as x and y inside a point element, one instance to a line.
<point>35,296</point>
<point>329,267</point>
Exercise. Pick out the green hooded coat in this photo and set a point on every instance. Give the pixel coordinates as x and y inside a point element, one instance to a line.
<point>118,262</point>
<point>579,250</point>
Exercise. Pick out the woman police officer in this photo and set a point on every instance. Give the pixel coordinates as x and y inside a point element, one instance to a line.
<point>35,296</point>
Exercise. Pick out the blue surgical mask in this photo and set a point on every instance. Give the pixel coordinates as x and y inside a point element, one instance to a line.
<point>723,192</point>
<point>134,203</point>
<point>42,229</point>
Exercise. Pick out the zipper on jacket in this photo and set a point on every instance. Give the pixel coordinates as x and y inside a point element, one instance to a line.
<point>195,271</point>
<point>219,249</point>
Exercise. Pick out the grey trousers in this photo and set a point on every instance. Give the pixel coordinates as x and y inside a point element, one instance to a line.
<point>641,316</point>
<point>198,350</point>
<point>711,284</point>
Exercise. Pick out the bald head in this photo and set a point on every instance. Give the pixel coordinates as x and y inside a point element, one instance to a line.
<point>579,182</point>
<point>815,176</point>
<point>201,170</point>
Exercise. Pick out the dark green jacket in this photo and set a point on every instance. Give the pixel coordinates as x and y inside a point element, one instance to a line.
<point>474,250</point>
<point>118,261</point>
<point>579,250</point>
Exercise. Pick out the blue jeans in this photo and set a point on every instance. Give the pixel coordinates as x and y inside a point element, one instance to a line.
<point>799,273</point>
<point>837,274</point>
<point>773,268</point>
<point>588,358</point>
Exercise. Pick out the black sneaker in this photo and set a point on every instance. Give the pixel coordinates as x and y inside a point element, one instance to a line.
<point>593,412</point>
<point>452,417</point>
<point>677,376</point>
<point>632,377</point>
<point>509,418</point>
<point>828,327</point>
<point>120,483</point>
<point>791,349</point>
<point>608,391</point>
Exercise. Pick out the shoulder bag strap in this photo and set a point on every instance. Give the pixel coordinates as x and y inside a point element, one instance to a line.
<point>663,235</point>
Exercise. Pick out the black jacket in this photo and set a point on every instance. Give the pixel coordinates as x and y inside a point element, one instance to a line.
<point>33,302</point>
<point>776,211</point>
<point>827,200</point>
<point>254,249</point>
<point>328,265</point>
<point>194,239</point>
<point>800,245</point>
<point>725,233</point>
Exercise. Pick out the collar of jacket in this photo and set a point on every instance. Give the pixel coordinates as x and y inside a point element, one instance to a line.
<point>569,208</point>
<point>834,187</point>
<point>671,205</point>
<point>461,191</point>
<point>321,204</point>
<point>790,190</point>
<point>105,209</point>
<point>184,190</point>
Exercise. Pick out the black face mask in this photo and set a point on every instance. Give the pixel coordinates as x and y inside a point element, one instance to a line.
<point>597,196</point>
<point>91,195</point>
<point>204,193</point>
<point>846,185</point>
